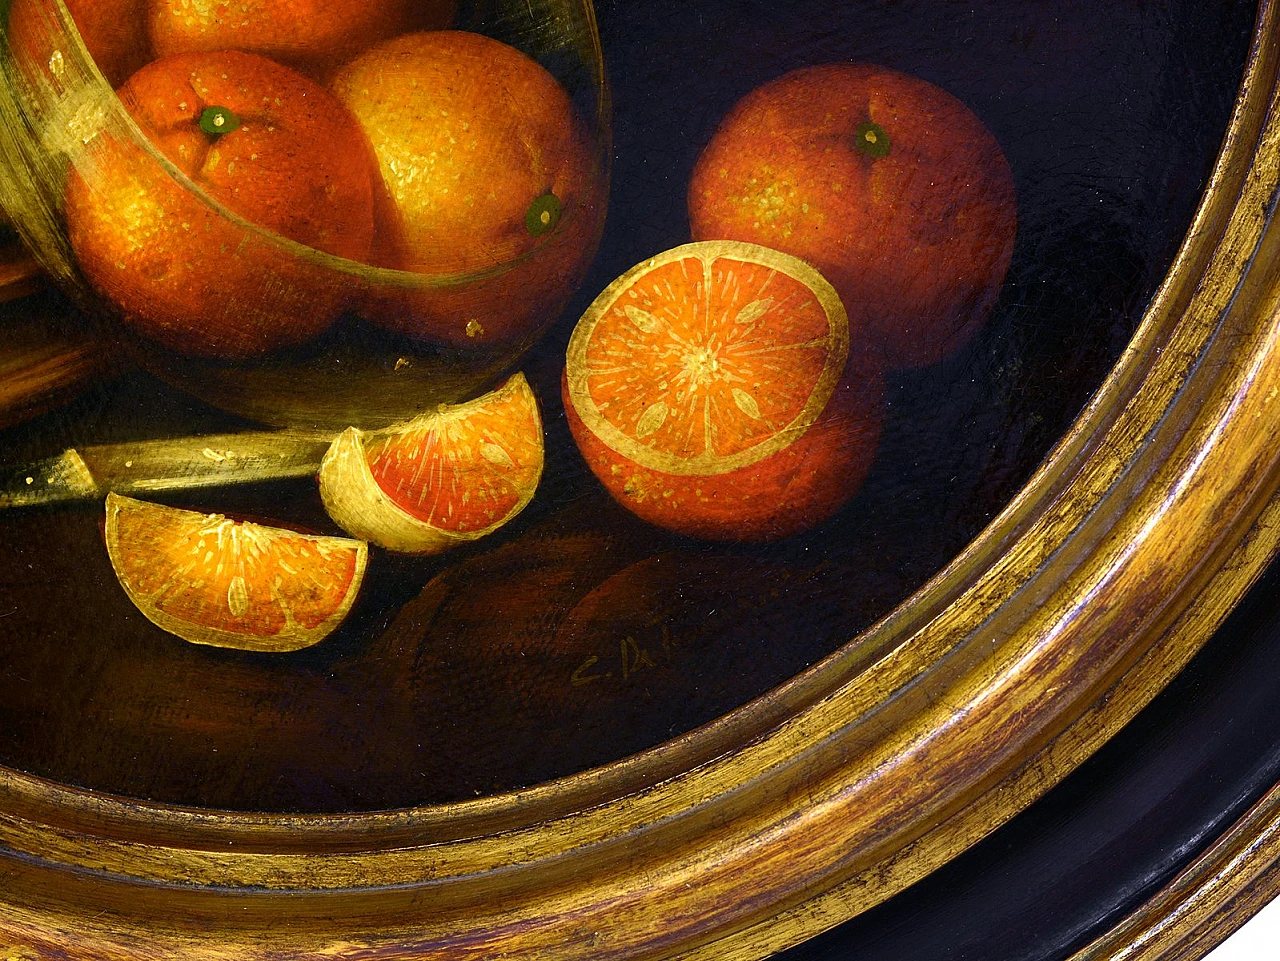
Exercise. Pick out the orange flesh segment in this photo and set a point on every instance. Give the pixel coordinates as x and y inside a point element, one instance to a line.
<point>704,360</point>
<point>235,577</point>
<point>465,468</point>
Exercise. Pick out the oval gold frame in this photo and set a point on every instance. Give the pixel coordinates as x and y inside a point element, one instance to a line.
<point>1094,586</point>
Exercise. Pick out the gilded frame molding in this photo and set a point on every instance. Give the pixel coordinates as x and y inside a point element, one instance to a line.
<point>1095,585</point>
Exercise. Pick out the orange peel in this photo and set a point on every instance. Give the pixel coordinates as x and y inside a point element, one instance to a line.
<point>212,580</point>
<point>447,477</point>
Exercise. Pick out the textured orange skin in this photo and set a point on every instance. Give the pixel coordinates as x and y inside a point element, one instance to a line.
<point>181,272</point>
<point>314,36</point>
<point>500,131</point>
<point>917,243</point>
<point>114,33</point>
<point>791,491</point>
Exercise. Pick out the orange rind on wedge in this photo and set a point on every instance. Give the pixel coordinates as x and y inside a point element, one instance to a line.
<point>447,477</point>
<point>212,580</point>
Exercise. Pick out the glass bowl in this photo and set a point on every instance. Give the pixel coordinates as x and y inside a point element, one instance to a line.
<point>367,339</point>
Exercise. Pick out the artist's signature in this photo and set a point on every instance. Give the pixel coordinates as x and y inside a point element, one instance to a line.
<point>632,658</point>
<point>652,644</point>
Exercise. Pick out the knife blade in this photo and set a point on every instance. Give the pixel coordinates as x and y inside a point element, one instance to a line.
<point>183,463</point>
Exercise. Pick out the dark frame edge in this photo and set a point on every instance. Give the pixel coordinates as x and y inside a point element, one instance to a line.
<point>1208,901</point>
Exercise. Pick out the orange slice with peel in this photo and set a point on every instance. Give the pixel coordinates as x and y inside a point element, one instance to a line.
<point>212,580</point>
<point>713,391</point>
<point>446,477</point>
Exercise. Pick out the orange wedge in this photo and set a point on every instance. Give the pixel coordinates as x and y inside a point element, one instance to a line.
<point>212,580</point>
<point>446,477</point>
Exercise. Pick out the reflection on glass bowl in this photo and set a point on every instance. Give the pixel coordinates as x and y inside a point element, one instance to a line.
<point>309,240</point>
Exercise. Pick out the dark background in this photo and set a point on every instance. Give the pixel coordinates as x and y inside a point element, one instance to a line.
<point>453,676</point>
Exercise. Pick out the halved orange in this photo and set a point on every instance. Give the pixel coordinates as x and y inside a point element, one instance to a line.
<point>213,580</point>
<point>446,477</point>
<point>710,389</point>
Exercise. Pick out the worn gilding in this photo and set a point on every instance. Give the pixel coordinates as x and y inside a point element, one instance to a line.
<point>1096,584</point>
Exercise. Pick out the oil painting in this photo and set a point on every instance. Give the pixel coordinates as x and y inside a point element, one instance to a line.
<point>409,404</point>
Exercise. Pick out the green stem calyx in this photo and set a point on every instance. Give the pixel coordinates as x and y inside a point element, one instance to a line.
<point>218,120</point>
<point>871,140</point>
<point>543,214</point>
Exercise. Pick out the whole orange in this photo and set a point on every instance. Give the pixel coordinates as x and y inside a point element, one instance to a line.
<point>489,177</point>
<point>192,276</point>
<point>314,36</point>
<point>113,31</point>
<point>887,184</point>
<point>716,390</point>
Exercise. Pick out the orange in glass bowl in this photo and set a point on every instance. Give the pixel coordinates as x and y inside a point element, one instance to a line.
<point>270,245</point>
